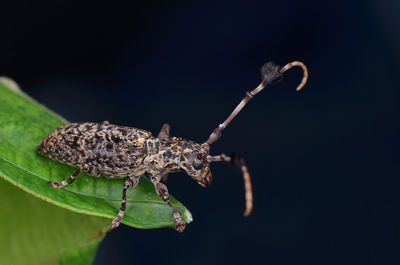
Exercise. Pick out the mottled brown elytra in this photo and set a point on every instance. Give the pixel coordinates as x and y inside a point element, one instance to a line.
<point>103,149</point>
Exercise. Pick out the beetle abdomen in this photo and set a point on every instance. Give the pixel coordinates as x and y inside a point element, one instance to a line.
<point>109,148</point>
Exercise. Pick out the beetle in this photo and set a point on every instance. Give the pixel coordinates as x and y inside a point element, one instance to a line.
<point>103,149</point>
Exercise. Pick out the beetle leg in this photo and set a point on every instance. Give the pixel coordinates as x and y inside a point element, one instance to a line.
<point>91,170</point>
<point>64,183</point>
<point>164,133</point>
<point>164,177</point>
<point>129,183</point>
<point>162,191</point>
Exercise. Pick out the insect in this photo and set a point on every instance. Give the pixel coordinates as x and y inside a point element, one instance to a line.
<point>103,149</point>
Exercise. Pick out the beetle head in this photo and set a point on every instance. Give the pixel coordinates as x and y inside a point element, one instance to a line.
<point>194,162</point>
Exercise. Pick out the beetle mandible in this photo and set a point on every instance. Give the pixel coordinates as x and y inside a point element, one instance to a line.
<point>103,149</point>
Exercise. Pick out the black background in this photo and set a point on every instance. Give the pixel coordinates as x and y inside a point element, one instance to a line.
<point>324,161</point>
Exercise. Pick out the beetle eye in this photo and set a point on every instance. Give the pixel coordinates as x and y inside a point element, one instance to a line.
<point>199,157</point>
<point>197,165</point>
<point>198,162</point>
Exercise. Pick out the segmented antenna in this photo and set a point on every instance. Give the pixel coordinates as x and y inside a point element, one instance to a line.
<point>239,164</point>
<point>270,73</point>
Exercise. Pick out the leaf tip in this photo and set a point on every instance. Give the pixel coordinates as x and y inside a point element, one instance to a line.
<point>10,83</point>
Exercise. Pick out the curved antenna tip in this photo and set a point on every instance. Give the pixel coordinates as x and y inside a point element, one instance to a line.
<point>305,72</point>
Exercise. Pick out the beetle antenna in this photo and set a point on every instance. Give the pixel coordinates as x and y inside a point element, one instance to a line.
<point>238,163</point>
<point>270,73</point>
<point>305,72</point>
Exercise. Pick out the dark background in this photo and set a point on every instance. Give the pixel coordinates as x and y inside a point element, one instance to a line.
<point>324,161</point>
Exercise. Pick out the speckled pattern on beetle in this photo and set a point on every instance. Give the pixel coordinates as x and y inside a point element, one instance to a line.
<point>103,149</point>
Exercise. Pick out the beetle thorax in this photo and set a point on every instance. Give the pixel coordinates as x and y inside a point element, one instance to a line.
<point>174,154</point>
<point>163,155</point>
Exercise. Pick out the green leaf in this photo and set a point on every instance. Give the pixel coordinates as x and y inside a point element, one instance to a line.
<point>82,255</point>
<point>23,124</point>
<point>36,232</point>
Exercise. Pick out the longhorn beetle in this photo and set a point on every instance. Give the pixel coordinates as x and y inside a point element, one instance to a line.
<point>103,149</point>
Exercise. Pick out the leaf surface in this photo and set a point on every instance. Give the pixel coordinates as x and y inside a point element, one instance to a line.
<point>35,232</point>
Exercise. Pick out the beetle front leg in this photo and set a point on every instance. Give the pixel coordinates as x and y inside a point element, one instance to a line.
<point>164,177</point>
<point>64,183</point>
<point>129,183</point>
<point>162,191</point>
<point>164,132</point>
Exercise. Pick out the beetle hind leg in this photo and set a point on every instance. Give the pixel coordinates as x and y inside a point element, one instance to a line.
<point>91,170</point>
<point>64,183</point>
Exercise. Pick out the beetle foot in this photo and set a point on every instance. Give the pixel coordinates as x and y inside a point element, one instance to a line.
<point>55,184</point>
<point>115,223</point>
<point>180,225</point>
